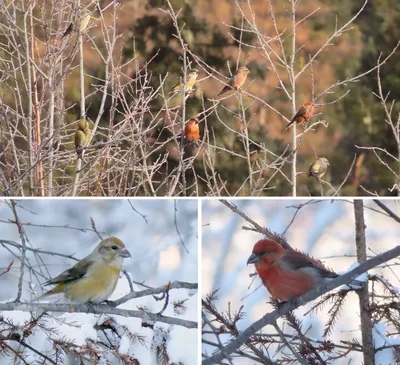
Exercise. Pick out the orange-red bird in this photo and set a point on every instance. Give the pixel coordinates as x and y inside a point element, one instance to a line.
<point>237,80</point>
<point>287,274</point>
<point>303,114</point>
<point>192,131</point>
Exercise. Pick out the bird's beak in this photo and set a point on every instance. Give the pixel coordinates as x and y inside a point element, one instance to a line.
<point>253,259</point>
<point>125,253</point>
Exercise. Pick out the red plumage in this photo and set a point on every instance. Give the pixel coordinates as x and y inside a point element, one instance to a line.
<point>303,114</point>
<point>287,274</point>
<point>192,131</point>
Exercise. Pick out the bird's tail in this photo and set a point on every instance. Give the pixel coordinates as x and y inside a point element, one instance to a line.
<point>224,90</point>
<point>287,126</point>
<point>45,295</point>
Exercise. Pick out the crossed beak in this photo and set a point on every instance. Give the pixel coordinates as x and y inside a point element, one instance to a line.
<point>253,259</point>
<point>125,253</point>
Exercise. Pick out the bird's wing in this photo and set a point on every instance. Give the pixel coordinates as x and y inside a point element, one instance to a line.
<point>293,260</point>
<point>75,272</point>
<point>300,113</point>
<point>176,87</point>
<point>69,30</point>
<point>316,167</point>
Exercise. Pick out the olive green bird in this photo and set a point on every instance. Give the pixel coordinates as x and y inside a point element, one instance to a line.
<point>318,167</point>
<point>82,137</point>
<point>191,80</point>
<point>85,19</point>
<point>94,278</point>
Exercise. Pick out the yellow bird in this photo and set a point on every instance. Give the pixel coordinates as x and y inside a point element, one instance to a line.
<point>85,19</point>
<point>191,80</point>
<point>318,167</point>
<point>82,136</point>
<point>94,278</point>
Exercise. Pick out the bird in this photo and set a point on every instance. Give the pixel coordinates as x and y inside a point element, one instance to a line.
<point>237,80</point>
<point>288,273</point>
<point>85,19</point>
<point>191,80</point>
<point>192,131</point>
<point>303,114</point>
<point>318,167</point>
<point>94,278</point>
<point>68,31</point>
<point>82,136</point>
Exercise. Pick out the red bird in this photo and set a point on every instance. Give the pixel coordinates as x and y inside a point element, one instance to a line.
<point>303,114</point>
<point>287,274</point>
<point>192,131</point>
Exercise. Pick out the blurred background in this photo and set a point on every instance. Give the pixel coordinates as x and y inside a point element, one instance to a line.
<point>158,257</point>
<point>147,33</point>
<point>323,229</point>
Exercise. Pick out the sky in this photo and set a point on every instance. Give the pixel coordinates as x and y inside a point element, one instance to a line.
<point>158,257</point>
<point>324,229</point>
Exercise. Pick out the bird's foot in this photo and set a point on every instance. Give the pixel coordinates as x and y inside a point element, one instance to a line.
<point>91,306</point>
<point>110,303</point>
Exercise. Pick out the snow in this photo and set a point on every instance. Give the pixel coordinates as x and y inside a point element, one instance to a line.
<point>179,338</point>
<point>77,328</point>
<point>325,230</point>
<point>158,257</point>
<point>385,356</point>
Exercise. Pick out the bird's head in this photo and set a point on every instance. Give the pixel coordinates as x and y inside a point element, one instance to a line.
<point>83,124</point>
<point>325,161</point>
<point>243,70</point>
<point>193,72</point>
<point>195,120</point>
<point>112,249</point>
<point>266,251</point>
<point>309,105</point>
<point>85,12</point>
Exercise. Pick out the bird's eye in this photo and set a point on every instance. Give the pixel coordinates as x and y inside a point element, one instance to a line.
<point>262,253</point>
<point>114,247</point>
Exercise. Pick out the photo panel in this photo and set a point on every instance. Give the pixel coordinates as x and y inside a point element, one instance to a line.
<point>95,281</point>
<point>300,281</point>
<point>199,98</point>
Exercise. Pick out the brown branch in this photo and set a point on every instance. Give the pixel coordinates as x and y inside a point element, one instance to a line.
<point>271,318</point>
<point>363,294</point>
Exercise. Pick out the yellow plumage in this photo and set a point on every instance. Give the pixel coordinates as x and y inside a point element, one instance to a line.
<point>82,136</point>
<point>85,19</point>
<point>94,278</point>
<point>318,168</point>
<point>191,80</point>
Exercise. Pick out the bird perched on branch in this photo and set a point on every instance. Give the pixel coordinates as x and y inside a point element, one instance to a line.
<point>84,21</point>
<point>68,30</point>
<point>237,80</point>
<point>192,131</point>
<point>303,114</point>
<point>191,78</point>
<point>318,167</point>
<point>82,136</point>
<point>94,278</point>
<point>288,274</point>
